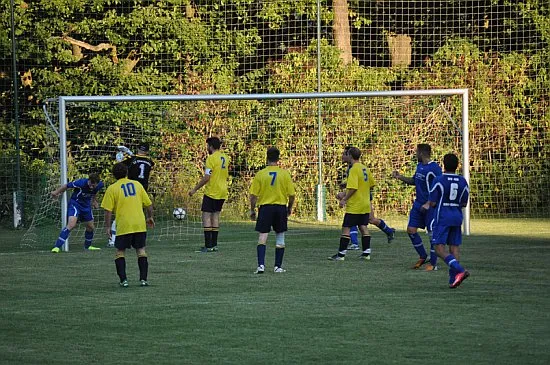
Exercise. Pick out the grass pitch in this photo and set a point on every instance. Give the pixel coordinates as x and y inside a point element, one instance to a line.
<point>210,308</point>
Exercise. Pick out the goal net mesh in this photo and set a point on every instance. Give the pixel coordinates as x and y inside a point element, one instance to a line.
<point>386,129</point>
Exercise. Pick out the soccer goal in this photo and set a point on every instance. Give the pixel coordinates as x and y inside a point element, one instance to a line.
<point>310,129</point>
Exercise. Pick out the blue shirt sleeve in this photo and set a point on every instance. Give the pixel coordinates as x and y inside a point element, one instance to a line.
<point>80,183</point>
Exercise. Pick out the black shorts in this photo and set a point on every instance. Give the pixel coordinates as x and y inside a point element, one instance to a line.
<point>210,205</point>
<point>351,220</point>
<point>127,241</point>
<point>272,215</point>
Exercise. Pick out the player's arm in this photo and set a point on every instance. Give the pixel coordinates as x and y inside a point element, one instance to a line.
<point>149,214</point>
<point>95,203</point>
<point>291,199</point>
<point>406,179</point>
<point>60,190</point>
<point>200,184</point>
<point>253,200</point>
<point>108,219</point>
<point>349,193</point>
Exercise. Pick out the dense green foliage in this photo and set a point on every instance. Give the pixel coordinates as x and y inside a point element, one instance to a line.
<point>187,47</point>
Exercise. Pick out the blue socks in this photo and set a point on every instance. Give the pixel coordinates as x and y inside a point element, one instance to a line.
<point>88,237</point>
<point>354,233</point>
<point>433,255</point>
<point>418,246</point>
<point>385,228</point>
<point>260,251</point>
<point>62,237</point>
<point>453,264</point>
<point>279,253</point>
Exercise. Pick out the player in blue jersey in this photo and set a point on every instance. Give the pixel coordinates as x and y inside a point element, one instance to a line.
<point>79,208</point>
<point>354,231</point>
<point>448,196</point>
<point>419,217</point>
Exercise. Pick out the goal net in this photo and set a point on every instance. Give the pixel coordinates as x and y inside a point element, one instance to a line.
<point>311,131</point>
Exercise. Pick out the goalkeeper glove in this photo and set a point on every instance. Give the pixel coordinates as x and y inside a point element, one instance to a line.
<point>125,150</point>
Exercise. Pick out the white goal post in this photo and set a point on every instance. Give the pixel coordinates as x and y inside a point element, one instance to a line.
<point>64,101</point>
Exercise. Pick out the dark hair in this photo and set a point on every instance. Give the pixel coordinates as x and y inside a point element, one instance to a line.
<point>94,178</point>
<point>144,147</point>
<point>346,149</point>
<point>424,148</point>
<point>450,162</point>
<point>273,154</point>
<point>355,153</point>
<point>120,170</point>
<point>214,142</point>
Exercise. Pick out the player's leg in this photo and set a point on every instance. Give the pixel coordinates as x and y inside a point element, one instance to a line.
<point>280,226</point>
<point>416,220</point>
<point>348,222</point>
<point>354,241</point>
<point>215,221</point>
<point>455,240</point>
<point>365,241</point>
<point>72,220</point>
<point>263,226</point>
<point>429,227</point>
<point>207,210</point>
<point>111,242</point>
<point>388,231</point>
<point>143,263</point>
<point>121,244</point>
<point>89,236</point>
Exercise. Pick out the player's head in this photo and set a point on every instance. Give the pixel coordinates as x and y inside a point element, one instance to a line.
<point>423,151</point>
<point>143,148</point>
<point>120,170</point>
<point>273,154</point>
<point>93,180</point>
<point>450,162</point>
<point>213,144</point>
<point>345,155</point>
<point>354,153</point>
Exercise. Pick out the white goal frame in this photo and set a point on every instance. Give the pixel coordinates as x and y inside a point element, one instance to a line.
<point>64,100</point>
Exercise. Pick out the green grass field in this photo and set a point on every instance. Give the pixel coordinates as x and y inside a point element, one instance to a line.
<point>210,308</point>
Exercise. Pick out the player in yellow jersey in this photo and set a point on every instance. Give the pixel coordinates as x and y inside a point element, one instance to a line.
<point>216,176</point>
<point>357,202</point>
<point>273,191</point>
<point>126,199</point>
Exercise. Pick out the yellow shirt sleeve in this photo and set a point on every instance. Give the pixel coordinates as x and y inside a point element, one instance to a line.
<point>108,202</point>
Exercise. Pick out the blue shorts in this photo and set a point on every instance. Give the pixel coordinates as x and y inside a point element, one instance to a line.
<point>420,218</point>
<point>82,214</point>
<point>272,215</point>
<point>447,235</point>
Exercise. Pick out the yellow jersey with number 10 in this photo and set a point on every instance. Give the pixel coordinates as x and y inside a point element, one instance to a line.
<point>126,199</point>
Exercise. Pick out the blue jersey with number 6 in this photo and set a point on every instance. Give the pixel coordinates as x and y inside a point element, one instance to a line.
<point>450,192</point>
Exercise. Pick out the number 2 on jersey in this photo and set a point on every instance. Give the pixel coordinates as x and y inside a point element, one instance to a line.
<point>273,177</point>
<point>223,162</point>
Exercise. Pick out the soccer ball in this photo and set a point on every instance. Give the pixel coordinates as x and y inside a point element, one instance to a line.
<point>179,213</point>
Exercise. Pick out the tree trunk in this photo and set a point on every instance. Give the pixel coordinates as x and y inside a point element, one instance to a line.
<point>341,30</point>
